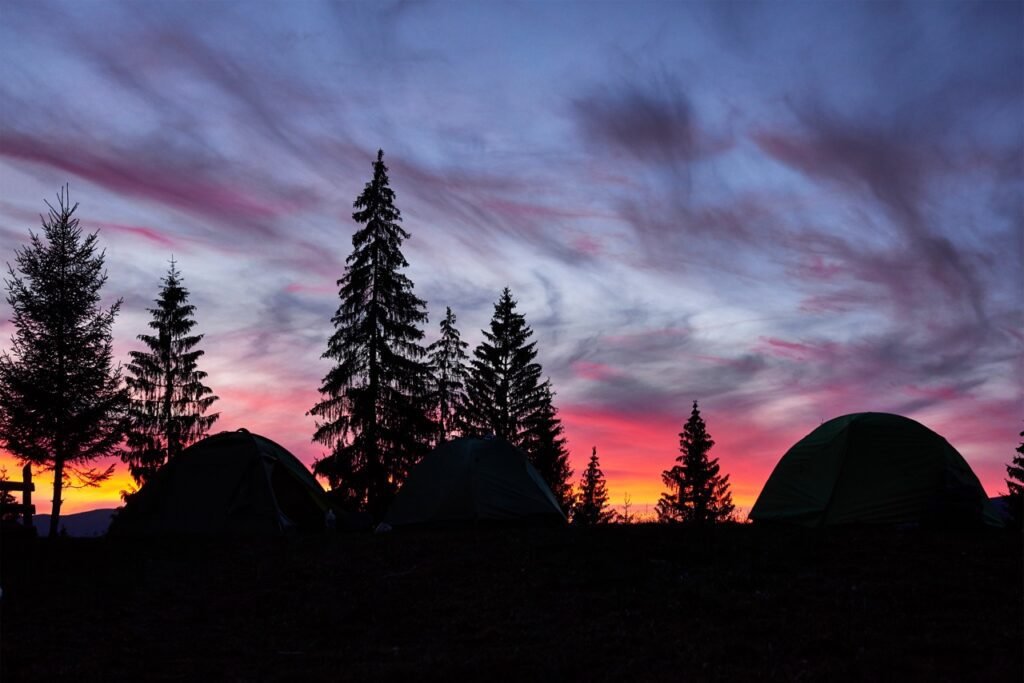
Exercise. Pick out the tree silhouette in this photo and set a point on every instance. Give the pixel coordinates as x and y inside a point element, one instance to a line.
<point>169,400</point>
<point>626,516</point>
<point>698,493</point>
<point>373,416</point>
<point>503,388</point>
<point>506,397</point>
<point>592,505</point>
<point>545,444</point>
<point>62,403</point>
<point>1015,484</point>
<point>447,360</point>
<point>7,500</point>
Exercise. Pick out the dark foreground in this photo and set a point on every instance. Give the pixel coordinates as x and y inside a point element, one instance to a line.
<point>620,603</point>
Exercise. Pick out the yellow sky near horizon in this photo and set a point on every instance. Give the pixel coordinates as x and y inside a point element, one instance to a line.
<point>643,494</point>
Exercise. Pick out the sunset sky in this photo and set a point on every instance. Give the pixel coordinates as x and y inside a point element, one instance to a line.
<point>787,211</point>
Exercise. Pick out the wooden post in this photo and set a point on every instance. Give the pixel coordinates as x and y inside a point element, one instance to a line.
<point>26,497</point>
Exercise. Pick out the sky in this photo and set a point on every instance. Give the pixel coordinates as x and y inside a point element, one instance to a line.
<point>787,211</point>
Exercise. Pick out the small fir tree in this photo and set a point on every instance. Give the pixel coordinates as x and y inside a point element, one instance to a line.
<point>62,401</point>
<point>169,400</point>
<point>592,504</point>
<point>626,516</point>
<point>1015,484</point>
<point>374,412</point>
<point>698,493</point>
<point>506,397</point>
<point>447,361</point>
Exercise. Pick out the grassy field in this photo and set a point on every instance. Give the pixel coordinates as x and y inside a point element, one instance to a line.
<point>640,603</point>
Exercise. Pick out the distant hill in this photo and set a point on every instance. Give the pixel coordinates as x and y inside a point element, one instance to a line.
<point>80,524</point>
<point>999,507</point>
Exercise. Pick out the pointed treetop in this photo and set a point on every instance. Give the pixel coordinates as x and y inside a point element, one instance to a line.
<point>373,416</point>
<point>173,276</point>
<point>591,505</point>
<point>698,492</point>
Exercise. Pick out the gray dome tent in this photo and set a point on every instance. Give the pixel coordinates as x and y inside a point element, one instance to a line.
<point>473,479</point>
<point>230,483</point>
<point>871,468</point>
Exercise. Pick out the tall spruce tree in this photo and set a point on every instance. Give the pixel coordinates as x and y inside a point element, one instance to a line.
<point>698,493</point>
<point>506,397</point>
<point>62,401</point>
<point>374,414</point>
<point>1015,484</point>
<point>447,361</point>
<point>592,505</point>
<point>169,400</point>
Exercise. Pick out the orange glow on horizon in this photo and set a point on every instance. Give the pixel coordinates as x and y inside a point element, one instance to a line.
<point>106,495</point>
<point>633,452</point>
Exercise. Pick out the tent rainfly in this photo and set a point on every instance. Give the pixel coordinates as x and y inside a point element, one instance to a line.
<point>232,483</point>
<point>872,468</point>
<point>470,480</point>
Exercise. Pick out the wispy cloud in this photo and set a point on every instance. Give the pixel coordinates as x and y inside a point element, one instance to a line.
<point>699,201</point>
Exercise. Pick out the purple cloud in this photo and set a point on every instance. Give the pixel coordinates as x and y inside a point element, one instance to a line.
<point>180,183</point>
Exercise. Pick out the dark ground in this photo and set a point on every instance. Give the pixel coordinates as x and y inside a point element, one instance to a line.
<point>632,603</point>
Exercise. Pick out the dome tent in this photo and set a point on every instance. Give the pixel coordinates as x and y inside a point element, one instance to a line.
<point>871,468</point>
<point>473,479</point>
<point>234,483</point>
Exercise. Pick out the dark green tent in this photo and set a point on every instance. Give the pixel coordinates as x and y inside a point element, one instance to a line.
<point>871,468</point>
<point>473,479</point>
<point>229,483</point>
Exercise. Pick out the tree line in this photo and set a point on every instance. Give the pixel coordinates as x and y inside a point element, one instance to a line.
<point>386,401</point>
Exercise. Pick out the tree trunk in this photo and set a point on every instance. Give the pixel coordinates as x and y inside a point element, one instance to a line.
<point>58,483</point>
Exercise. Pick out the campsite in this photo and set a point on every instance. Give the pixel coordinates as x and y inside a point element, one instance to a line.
<point>873,554</point>
<point>531,341</point>
<point>619,602</point>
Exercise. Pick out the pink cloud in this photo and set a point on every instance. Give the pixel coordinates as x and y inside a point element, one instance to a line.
<point>781,348</point>
<point>937,393</point>
<point>588,245</point>
<point>174,182</point>
<point>149,234</point>
<point>816,267</point>
<point>597,372</point>
<point>302,288</point>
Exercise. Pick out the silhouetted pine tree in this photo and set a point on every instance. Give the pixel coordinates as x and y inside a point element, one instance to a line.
<point>374,413</point>
<point>698,493</point>
<point>169,400</point>
<point>62,403</point>
<point>1015,484</point>
<point>592,505</point>
<point>447,360</point>
<point>545,444</point>
<point>505,397</point>
<point>503,388</point>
